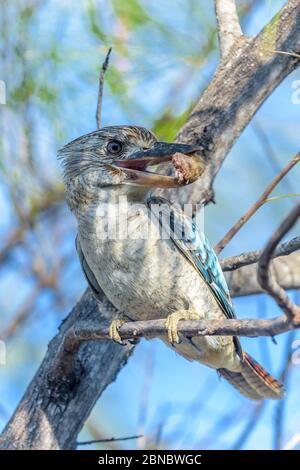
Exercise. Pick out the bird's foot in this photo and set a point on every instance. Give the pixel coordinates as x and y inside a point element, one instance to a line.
<point>172,323</point>
<point>114,330</point>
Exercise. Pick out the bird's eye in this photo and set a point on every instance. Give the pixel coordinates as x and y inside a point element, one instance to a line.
<point>114,147</point>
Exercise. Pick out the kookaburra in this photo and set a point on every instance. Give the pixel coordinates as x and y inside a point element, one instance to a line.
<point>168,272</point>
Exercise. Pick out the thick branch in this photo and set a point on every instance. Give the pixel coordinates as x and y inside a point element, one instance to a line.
<point>229,29</point>
<point>237,91</point>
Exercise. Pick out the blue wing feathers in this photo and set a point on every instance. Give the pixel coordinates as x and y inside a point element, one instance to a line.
<point>196,248</point>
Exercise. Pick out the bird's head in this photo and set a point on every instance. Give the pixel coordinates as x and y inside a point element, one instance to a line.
<point>118,156</point>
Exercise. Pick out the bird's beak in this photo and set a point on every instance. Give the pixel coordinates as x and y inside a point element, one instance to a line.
<point>135,166</point>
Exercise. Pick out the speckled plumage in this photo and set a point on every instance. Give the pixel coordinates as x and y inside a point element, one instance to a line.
<point>142,273</point>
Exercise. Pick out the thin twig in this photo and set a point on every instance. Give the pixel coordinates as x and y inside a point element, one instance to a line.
<point>291,54</point>
<point>267,280</point>
<point>112,439</point>
<point>98,434</point>
<point>262,199</point>
<point>101,86</point>
<point>244,259</point>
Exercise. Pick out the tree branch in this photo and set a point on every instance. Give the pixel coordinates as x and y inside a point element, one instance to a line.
<point>254,208</point>
<point>265,278</point>
<point>156,328</point>
<point>243,281</point>
<point>64,363</point>
<point>229,29</point>
<point>244,259</point>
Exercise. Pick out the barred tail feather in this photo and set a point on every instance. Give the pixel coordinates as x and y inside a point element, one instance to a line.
<point>237,380</point>
<point>260,379</point>
<point>253,381</point>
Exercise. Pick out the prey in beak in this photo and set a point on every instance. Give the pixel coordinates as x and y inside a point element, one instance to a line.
<point>187,164</point>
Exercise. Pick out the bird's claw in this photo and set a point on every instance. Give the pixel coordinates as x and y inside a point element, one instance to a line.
<point>114,330</point>
<point>172,323</point>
